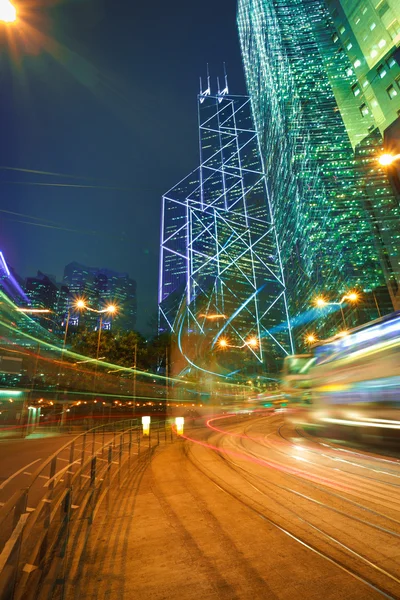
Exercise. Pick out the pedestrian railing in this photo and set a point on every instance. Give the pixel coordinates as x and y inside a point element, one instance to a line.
<point>40,522</point>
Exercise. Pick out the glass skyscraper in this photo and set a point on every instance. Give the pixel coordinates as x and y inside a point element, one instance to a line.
<point>335,212</point>
<point>221,278</point>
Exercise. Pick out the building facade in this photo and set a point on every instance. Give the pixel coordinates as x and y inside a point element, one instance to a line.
<point>334,210</point>
<point>368,33</point>
<point>221,282</point>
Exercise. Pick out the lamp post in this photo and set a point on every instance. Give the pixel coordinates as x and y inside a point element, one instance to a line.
<point>385,160</point>
<point>8,12</point>
<point>111,309</point>
<point>252,342</point>
<point>352,297</point>
<point>310,338</point>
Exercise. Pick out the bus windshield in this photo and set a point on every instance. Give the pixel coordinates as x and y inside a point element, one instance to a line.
<point>297,364</point>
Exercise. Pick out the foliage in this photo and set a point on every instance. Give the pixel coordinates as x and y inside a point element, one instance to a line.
<point>122,347</point>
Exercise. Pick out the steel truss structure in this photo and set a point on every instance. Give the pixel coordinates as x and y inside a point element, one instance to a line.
<point>221,275</point>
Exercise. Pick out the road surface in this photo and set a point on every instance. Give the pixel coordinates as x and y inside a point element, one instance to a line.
<point>247,507</point>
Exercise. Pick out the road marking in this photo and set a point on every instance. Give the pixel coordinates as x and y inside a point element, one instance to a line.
<point>27,473</point>
<point>74,505</point>
<point>9,545</point>
<point>60,472</point>
<point>30,509</point>
<point>63,459</point>
<point>87,476</point>
<point>2,485</point>
<point>45,476</point>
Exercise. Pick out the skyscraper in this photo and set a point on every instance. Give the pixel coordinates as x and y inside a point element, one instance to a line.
<point>368,33</point>
<point>42,292</point>
<point>221,281</point>
<point>334,211</point>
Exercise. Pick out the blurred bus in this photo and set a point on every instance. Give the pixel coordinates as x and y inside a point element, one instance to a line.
<point>295,381</point>
<point>354,381</point>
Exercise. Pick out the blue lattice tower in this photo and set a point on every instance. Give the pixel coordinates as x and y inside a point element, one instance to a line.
<point>220,269</point>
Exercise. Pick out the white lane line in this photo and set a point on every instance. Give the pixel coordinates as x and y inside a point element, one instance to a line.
<point>27,473</point>
<point>74,506</point>
<point>45,476</point>
<point>63,459</point>
<point>86,476</point>
<point>60,472</point>
<point>2,485</point>
<point>30,509</point>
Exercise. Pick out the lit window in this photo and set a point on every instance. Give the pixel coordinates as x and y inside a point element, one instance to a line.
<point>372,26</point>
<point>374,103</point>
<point>364,110</point>
<point>342,29</point>
<point>335,38</point>
<point>382,43</point>
<point>364,10</point>
<point>357,20</point>
<point>373,53</point>
<point>357,63</point>
<point>391,62</point>
<point>355,89</point>
<point>365,83</point>
<point>349,72</point>
<point>349,46</point>
<point>391,92</point>
<point>381,71</point>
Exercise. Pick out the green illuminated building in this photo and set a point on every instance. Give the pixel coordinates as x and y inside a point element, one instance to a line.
<point>335,211</point>
<point>368,33</point>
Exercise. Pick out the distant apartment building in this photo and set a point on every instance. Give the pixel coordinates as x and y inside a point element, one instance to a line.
<point>42,292</point>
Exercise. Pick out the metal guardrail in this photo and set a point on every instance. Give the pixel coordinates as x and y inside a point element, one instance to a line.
<point>77,478</point>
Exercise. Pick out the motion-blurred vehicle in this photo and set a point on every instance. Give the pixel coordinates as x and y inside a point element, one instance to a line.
<point>352,381</point>
<point>295,382</point>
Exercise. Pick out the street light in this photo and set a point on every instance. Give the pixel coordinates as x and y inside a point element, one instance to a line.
<point>251,343</point>
<point>385,160</point>
<point>352,297</point>
<point>8,12</point>
<point>310,338</point>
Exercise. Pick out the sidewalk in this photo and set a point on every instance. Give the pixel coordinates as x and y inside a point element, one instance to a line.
<point>171,534</point>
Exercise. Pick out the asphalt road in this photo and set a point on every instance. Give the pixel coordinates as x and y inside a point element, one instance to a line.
<point>247,507</point>
<point>21,458</point>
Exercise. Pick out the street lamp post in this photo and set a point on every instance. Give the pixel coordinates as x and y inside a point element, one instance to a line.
<point>110,310</point>
<point>8,12</point>
<point>385,160</point>
<point>252,342</point>
<point>352,297</point>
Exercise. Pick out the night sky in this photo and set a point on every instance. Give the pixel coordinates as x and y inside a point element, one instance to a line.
<point>103,91</point>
